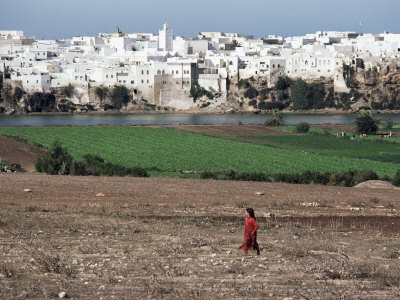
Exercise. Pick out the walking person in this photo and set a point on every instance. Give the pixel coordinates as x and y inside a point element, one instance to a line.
<point>250,232</point>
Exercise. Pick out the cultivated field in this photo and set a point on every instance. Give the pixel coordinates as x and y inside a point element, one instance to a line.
<point>250,149</point>
<point>152,238</point>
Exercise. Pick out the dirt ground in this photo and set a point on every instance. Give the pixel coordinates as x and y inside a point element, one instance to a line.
<point>153,238</point>
<point>16,152</point>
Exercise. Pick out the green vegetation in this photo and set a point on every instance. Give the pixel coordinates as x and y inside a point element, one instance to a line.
<point>56,161</point>
<point>302,127</point>
<point>198,91</point>
<point>365,124</point>
<point>41,102</point>
<point>169,150</point>
<point>101,92</point>
<point>251,93</point>
<point>120,96</point>
<point>306,96</point>
<point>277,119</point>
<point>68,91</point>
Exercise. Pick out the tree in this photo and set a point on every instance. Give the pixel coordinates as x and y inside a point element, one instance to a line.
<point>68,91</point>
<point>119,96</point>
<point>365,124</point>
<point>101,92</point>
<point>39,102</point>
<point>307,96</point>
<point>18,92</point>
<point>56,161</point>
<point>283,83</point>
<point>233,45</point>
<point>276,119</point>
<point>251,93</point>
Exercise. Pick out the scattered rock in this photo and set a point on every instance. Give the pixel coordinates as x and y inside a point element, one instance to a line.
<point>355,208</point>
<point>310,204</point>
<point>102,287</point>
<point>100,195</point>
<point>27,191</point>
<point>259,193</point>
<point>269,215</point>
<point>62,295</point>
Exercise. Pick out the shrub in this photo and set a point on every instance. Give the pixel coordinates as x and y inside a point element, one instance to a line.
<point>42,102</point>
<point>101,92</point>
<point>388,125</point>
<point>68,91</point>
<point>306,95</point>
<point>78,168</point>
<point>283,83</point>
<point>251,93</point>
<point>341,178</point>
<point>243,83</point>
<point>208,175</point>
<point>396,179</point>
<point>302,127</point>
<point>365,124</point>
<point>364,175</point>
<point>56,161</point>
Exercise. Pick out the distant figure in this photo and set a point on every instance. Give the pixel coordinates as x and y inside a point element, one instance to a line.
<point>342,133</point>
<point>250,232</point>
<point>390,134</point>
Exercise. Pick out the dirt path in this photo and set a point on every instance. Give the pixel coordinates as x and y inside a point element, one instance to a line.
<point>16,152</point>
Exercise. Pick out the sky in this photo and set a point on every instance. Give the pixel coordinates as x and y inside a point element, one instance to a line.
<point>58,19</point>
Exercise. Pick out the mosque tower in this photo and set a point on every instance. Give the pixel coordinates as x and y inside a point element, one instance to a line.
<point>165,38</point>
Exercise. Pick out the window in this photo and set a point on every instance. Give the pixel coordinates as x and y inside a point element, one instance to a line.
<point>279,66</point>
<point>147,72</point>
<point>158,72</point>
<point>173,72</point>
<point>147,81</point>
<point>76,77</point>
<point>37,81</point>
<point>273,66</point>
<point>132,82</point>
<point>142,72</point>
<point>119,81</point>
<point>142,81</point>
<point>106,76</point>
<point>48,81</point>
<point>112,76</point>
<point>177,72</point>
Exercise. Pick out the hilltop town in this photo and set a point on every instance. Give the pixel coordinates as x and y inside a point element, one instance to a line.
<point>214,71</point>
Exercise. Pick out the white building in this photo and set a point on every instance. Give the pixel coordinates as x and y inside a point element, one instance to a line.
<point>166,38</point>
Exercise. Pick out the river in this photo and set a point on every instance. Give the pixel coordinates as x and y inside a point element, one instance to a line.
<point>177,118</point>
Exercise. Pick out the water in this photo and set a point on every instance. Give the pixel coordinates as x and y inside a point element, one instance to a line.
<point>176,118</point>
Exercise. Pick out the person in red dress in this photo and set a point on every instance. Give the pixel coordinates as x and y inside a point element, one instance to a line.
<point>250,232</point>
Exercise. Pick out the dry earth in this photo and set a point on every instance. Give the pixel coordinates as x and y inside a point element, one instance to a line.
<point>153,238</point>
<point>177,238</point>
<point>16,152</point>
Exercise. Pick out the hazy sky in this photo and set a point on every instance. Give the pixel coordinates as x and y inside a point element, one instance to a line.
<point>51,19</point>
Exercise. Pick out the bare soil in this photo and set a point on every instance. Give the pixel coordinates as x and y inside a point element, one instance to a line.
<point>17,152</point>
<point>177,238</point>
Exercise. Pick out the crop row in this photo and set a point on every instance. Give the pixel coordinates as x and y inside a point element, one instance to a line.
<point>171,149</point>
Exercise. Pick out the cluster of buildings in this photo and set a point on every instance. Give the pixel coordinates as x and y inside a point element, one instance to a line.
<point>161,68</point>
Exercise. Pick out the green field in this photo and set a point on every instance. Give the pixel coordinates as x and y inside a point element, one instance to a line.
<point>170,149</point>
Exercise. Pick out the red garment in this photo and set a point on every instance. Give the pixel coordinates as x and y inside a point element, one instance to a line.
<point>250,235</point>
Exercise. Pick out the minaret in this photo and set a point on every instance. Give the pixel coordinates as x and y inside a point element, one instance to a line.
<point>165,38</point>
